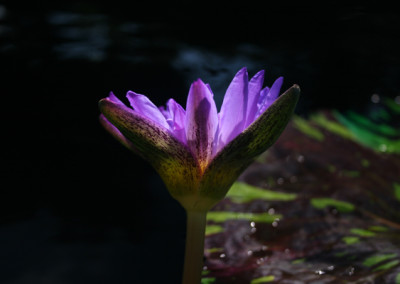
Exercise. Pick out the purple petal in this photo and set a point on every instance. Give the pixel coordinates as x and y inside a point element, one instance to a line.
<point>201,122</point>
<point>114,99</point>
<point>233,109</point>
<point>142,105</point>
<point>165,112</point>
<point>177,113</point>
<point>255,86</point>
<point>271,96</point>
<point>261,98</point>
<point>176,119</point>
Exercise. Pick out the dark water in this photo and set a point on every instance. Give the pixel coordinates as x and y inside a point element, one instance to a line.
<point>79,208</point>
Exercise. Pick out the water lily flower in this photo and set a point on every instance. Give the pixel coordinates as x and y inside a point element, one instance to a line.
<point>199,152</point>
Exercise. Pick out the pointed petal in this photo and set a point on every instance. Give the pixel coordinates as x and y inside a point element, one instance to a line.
<point>233,109</point>
<point>201,122</point>
<point>275,89</point>
<point>141,104</point>
<point>169,157</point>
<point>177,113</point>
<point>255,86</point>
<point>165,112</point>
<point>177,117</point>
<point>229,163</point>
<point>271,96</point>
<point>261,98</point>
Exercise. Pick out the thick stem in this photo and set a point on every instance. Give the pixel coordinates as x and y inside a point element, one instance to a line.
<point>194,252</point>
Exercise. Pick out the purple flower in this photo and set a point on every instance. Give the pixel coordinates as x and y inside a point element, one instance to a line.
<point>199,152</point>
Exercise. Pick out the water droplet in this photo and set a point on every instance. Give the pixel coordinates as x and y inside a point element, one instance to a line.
<point>271,211</point>
<point>375,98</point>
<point>275,224</point>
<point>222,255</point>
<point>383,147</point>
<point>350,270</point>
<point>205,267</point>
<point>319,272</point>
<point>260,260</point>
<point>253,230</point>
<point>252,224</point>
<point>264,248</point>
<point>300,159</point>
<point>250,252</point>
<point>330,268</point>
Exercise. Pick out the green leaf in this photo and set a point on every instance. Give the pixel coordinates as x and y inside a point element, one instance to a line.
<point>397,191</point>
<point>341,206</point>
<point>388,265</point>
<point>222,216</point>
<point>213,229</point>
<point>397,280</point>
<point>332,126</point>
<point>351,240</point>
<point>375,259</point>
<point>362,232</point>
<point>299,261</point>
<point>212,250</point>
<point>208,280</point>
<point>242,192</point>
<point>305,127</point>
<point>264,279</point>
<point>378,228</point>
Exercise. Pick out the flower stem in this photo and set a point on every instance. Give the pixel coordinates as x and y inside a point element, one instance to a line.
<point>194,251</point>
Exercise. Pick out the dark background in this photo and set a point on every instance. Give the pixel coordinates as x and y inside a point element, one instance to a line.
<point>76,207</point>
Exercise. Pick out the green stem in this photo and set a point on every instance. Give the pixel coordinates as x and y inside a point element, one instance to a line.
<point>194,251</point>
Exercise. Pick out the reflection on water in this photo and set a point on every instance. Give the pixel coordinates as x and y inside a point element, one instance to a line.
<point>89,34</point>
<point>80,36</point>
<point>95,37</point>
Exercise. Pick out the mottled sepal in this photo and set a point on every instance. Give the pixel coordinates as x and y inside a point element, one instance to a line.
<point>117,134</point>
<point>231,161</point>
<point>170,158</point>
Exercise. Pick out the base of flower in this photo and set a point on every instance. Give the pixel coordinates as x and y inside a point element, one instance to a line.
<point>196,203</point>
<point>194,251</point>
